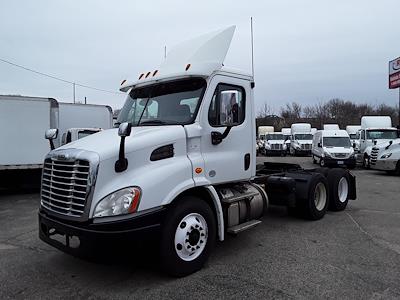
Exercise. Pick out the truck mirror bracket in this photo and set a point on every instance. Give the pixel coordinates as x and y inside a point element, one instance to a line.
<point>217,137</point>
<point>122,163</point>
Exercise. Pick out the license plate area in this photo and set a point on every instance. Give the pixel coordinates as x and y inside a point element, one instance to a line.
<point>340,162</point>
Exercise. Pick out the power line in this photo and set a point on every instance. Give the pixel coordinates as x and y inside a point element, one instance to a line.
<point>57,78</point>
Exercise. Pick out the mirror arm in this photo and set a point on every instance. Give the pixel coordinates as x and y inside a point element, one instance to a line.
<point>51,144</point>
<point>122,163</point>
<point>217,137</point>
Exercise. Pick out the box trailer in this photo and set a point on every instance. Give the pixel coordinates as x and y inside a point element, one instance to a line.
<point>24,121</point>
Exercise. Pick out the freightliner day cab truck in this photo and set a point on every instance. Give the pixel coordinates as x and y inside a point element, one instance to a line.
<point>301,141</point>
<point>374,131</point>
<point>386,157</point>
<point>181,166</point>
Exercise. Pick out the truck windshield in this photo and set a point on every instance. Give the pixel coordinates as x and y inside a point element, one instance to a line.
<point>169,103</point>
<point>337,142</point>
<point>379,134</point>
<point>275,137</point>
<point>353,136</point>
<point>303,136</point>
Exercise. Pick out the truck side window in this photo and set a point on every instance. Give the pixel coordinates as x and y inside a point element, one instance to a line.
<point>227,106</point>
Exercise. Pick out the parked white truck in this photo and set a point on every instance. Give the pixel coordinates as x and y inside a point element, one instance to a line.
<point>24,119</point>
<point>274,144</point>
<point>287,134</point>
<point>331,127</point>
<point>352,131</point>
<point>262,132</point>
<point>301,141</point>
<point>182,165</point>
<point>386,157</point>
<point>374,130</point>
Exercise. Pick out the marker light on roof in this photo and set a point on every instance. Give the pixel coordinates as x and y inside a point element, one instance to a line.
<point>123,81</point>
<point>155,72</point>
<point>141,75</point>
<point>187,67</point>
<point>147,75</point>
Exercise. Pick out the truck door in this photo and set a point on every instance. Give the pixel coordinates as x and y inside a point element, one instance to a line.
<point>362,141</point>
<point>228,125</point>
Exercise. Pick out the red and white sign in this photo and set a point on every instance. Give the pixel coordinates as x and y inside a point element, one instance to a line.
<point>394,73</point>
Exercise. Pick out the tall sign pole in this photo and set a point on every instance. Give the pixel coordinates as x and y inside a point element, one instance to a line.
<point>394,78</point>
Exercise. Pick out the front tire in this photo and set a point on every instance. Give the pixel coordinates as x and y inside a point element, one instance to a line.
<point>322,162</point>
<point>366,162</point>
<point>188,236</point>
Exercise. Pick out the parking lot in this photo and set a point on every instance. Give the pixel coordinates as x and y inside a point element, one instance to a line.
<point>350,254</point>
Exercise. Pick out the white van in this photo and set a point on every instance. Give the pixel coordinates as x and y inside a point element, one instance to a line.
<point>333,147</point>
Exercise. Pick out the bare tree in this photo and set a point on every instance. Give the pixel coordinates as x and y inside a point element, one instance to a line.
<point>265,111</point>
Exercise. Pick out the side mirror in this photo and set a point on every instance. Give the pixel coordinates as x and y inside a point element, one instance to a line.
<point>124,130</point>
<point>319,145</point>
<point>50,135</point>
<point>354,145</point>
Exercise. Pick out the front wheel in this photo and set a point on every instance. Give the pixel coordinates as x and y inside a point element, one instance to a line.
<point>366,162</point>
<point>188,236</point>
<point>322,162</point>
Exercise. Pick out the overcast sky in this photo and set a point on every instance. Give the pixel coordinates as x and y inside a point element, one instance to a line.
<point>307,51</point>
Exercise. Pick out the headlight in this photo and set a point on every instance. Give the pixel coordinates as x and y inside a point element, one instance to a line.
<point>268,146</point>
<point>327,154</point>
<point>124,201</point>
<point>387,155</point>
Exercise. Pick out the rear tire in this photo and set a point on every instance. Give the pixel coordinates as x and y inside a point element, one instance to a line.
<point>188,236</point>
<point>339,188</point>
<point>366,162</point>
<point>315,204</point>
<point>322,162</point>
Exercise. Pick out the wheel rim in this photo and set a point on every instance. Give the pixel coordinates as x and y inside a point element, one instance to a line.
<point>191,237</point>
<point>343,189</point>
<point>322,162</point>
<point>320,196</point>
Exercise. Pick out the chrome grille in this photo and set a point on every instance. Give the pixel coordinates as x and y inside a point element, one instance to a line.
<point>65,186</point>
<point>276,146</point>
<point>374,155</point>
<point>340,155</point>
<point>305,146</point>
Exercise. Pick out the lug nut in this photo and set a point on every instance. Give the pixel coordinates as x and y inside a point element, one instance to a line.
<point>183,225</point>
<point>179,247</point>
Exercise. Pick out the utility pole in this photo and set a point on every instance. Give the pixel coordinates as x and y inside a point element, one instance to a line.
<point>73,87</point>
<point>85,99</point>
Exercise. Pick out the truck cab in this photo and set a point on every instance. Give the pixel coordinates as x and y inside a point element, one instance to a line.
<point>180,167</point>
<point>275,144</point>
<point>386,157</point>
<point>301,141</point>
<point>374,131</point>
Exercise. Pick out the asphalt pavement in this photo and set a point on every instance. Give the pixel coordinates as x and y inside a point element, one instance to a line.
<point>354,254</point>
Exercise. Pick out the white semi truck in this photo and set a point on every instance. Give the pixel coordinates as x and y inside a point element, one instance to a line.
<point>23,120</point>
<point>181,165</point>
<point>274,144</point>
<point>301,142</point>
<point>386,157</point>
<point>374,131</point>
<point>352,131</point>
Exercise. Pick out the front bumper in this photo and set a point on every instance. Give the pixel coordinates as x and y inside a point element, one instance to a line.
<point>58,233</point>
<point>338,161</point>
<point>384,164</point>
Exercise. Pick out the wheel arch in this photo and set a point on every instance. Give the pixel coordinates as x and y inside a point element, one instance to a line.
<point>210,196</point>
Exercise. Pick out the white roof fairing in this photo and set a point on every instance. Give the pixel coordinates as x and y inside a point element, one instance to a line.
<point>205,54</point>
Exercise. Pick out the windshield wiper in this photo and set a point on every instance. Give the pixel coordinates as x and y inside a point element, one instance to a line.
<point>156,122</point>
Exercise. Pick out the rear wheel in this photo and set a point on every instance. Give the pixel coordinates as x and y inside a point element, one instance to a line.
<point>339,187</point>
<point>315,204</point>
<point>188,236</point>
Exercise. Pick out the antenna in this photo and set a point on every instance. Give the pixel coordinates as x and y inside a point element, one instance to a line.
<point>252,47</point>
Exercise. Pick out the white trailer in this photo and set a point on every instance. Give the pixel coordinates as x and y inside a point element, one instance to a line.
<point>186,171</point>
<point>24,120</point>
<point>83,116</point>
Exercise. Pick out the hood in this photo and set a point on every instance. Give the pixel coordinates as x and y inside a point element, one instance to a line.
<point>338,150</point>
<point>395,143</point>
<point>106,143</point>
<point>276,141</point>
